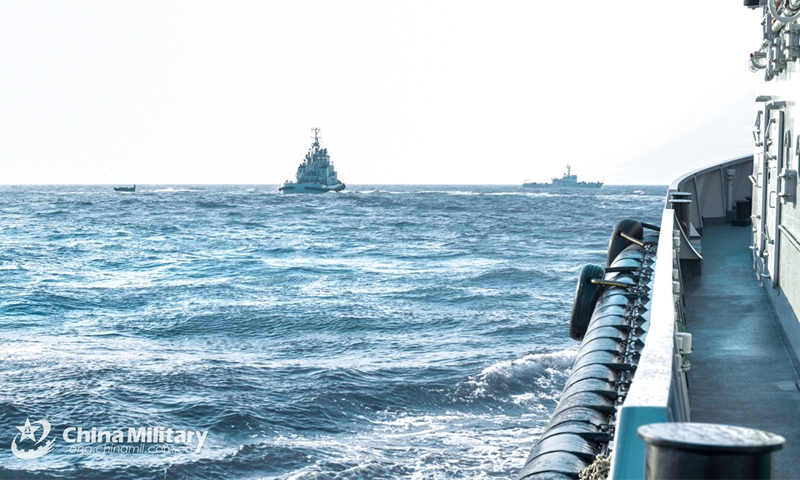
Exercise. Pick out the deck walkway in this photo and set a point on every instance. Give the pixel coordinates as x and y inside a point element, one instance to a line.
<point>741,371</point>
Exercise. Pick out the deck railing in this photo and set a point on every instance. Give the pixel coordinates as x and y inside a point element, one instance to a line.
<point>659,391</point>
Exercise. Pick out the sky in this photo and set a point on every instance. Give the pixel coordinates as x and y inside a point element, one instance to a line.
<point>404,92</point>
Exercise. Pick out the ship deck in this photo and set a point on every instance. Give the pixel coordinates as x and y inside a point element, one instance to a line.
<point>741,372</point>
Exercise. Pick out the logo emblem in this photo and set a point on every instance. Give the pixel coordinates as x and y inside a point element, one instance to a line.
<point>28,434</point>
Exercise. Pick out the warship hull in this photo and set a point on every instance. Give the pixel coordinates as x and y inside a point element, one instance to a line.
<point>555,185</point>
<point>568,180</point>
<point>310,188</point>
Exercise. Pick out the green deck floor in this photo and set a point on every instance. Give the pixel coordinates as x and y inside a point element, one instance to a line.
<point>741,372</point>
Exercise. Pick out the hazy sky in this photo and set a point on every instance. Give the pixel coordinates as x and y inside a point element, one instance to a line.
<point>404,91</point>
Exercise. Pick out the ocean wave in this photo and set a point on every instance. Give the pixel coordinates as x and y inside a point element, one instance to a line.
<point>446,445</point>
<point>506,276</point>
<point>533,380</point>
<point>382,332</point>
<point>173,190</point>
<point>451,192</point>
<point>206,204</point>
<point>54,212</point>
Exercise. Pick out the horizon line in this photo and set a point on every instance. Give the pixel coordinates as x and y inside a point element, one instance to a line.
<point>354,184</point>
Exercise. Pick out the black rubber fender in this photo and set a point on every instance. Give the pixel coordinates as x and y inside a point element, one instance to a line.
<point>602,344</point>
<point>605,310</point>
<point>612,322</point>
<point>592,400</point>
<point>583,430</point>
<point>586,295</point>
<point>627,262</point>
<point>591,385</point>
<point>625,293</point>
<point>592,372</point>
<point>622,277</point>
<point>632,253</point>
<point>604,332</point>
<point>629,227</point>
<point>615,298</point>
<point>603,358</point>
<point>621,301</point>
<point>579,414</point>
<point>566,442</point>
<point>555,465</point>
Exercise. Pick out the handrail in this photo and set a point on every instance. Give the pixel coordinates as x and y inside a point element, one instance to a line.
<point>692,252</point>
<point>656,395</point>
<point>789,237</point>
<point>710,200</point>
<point>710,168</point>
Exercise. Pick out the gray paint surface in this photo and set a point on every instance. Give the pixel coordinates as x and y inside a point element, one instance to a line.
<point>741,371</point>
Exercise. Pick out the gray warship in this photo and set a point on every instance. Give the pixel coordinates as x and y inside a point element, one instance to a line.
<point>568,180</point>
<point>315,174</point>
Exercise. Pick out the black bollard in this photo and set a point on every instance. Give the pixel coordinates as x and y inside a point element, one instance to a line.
<point>707,451</point>
<point>743,211</point>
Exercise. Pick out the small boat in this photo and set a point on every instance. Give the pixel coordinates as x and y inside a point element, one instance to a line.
<point>315,174</point>
<point>125,189</point>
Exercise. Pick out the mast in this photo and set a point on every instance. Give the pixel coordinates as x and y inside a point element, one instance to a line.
<point>316,136</point>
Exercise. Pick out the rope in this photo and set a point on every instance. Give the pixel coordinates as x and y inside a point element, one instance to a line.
<point>598,470</point>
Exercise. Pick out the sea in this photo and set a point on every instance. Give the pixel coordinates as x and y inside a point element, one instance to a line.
<point>229,331</point>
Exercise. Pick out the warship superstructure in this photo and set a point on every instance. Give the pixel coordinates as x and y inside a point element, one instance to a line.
<point>569,180</point>
<point>315,174</point>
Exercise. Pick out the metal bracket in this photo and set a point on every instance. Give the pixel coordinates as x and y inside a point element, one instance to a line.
<point>787,185</point>
<point>787,145</point>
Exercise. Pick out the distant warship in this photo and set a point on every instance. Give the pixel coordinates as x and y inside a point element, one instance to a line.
<point>568,180</point>
<point>315,174</point>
